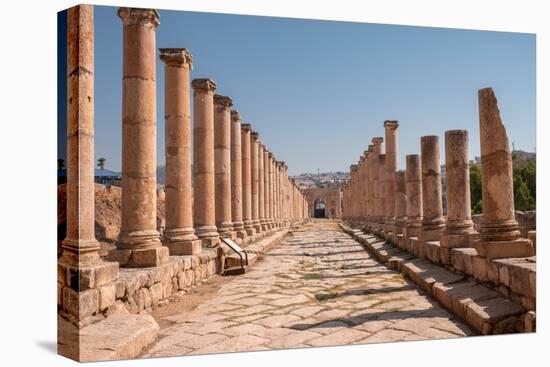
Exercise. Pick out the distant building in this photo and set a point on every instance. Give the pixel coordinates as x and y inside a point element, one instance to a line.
<point>101,176</point>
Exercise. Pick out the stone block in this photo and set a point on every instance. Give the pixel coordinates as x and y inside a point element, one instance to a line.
<point>60,293</point>
<point>480,265</point>
<point>192,247</point>
<point>107,296</point>
<point>87,276</point>
<point>530,320</point>
<point>483,315</point>
<point>433,252</point>
<point>117,308</point>
<point>117,337</point>
<point>504,249</point>
<point>462,259</point>
<point>155,291</point>
<point>532,236</point>
<point>142,298</point>
<point>529,304</point>
<point>80,304</point>
<point>456,296</point>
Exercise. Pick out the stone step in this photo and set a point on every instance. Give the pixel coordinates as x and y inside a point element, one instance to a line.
<point>426,274</point>
<point>116,337</point>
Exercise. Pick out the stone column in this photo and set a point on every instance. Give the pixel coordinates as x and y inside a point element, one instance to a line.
<point>247,179</point>
<point>139,242</point>
<point>203,162</point>
<point>499,233</point>
<point>413,175</point>
<point>459,229</point>
<point>382,188</point>
<point>433,222</point>
<point>391,166</point>
<point>255,177</point>
<point>370,190</point>
<point>276,202</point>
<point>261,187</point>
<point>80,262</point>
<point>375,174</point>
<point>400,210</point>
<point>179,235</point>
<point>267,188</point>
<point>222,165</point>
<point>236,176</point>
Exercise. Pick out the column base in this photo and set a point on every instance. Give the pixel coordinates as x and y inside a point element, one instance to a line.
<point>186,247</point>
<point>450,241</point>
<point>257,226</point>
<point>140,258</point>
<point>225,230</point>
<point>521,247</point>
<point>208,235</point>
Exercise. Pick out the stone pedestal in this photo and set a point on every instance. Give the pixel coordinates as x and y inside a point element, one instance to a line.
<point>499,233</point>
<point>236,176</point>
<point>247,179</point>
<point>139,243</point>
<point>222,165</point>
<point>203,162</point>
<point>433,221</point>
<point>80,267</point>
<point>179,235</point>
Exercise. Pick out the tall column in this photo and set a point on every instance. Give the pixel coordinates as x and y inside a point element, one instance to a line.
<point>80,249</point>
<point>433,222</point>
<point>400,210</point>
<point>222,165</point>
<point>203,162</point>
<point>499,232</point>
<point>459,229</point>
<point>391,166</point>
<point>236,176</point>
<point>179,235</point>
<point>139,241</point>
<point>375,173</point>
<point>261,187</point>
<point>267,187</point>
<point>413,174</point>
<point>370,190</point>
<point>255,169</point>
<point>247,179</point>
<point>276,202</point>
<point>382,189</point>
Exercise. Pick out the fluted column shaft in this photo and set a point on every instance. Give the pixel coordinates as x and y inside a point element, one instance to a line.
<point>247,179</point>
<point>236,176</point>
<point>222,165</point>
<point>254,148</point>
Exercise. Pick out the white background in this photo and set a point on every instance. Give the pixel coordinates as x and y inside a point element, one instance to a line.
<point>28,193</point>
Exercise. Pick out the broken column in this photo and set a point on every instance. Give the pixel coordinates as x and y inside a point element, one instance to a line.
<point>139,242</point>
<point>179,234</point>
<point>499,233</point>
<point>255,180</point>
<point>203,162</point>
<point>247,179</point>
<point>236,176</point>
<point>81,272</point>
<point>433,221</point>
<point>391,166</point>
<point>222,165</point>
<point>459,227</point>
<point>413,174</point>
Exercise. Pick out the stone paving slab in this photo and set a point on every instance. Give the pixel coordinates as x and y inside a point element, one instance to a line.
<point>318,287</point>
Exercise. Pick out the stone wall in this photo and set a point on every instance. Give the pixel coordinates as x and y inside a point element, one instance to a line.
<point>332,198</point>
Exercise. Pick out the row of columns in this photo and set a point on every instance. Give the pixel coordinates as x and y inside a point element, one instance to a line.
<point>389,202</point>
<point>235,187</point>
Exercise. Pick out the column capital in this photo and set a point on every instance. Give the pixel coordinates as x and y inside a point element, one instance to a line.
<point>235,115</point>
<point>176,57</point>
<point>255,136</point>
<point>246,128</point>
<point>377,140</point>
<point>269,154</point>
<point>203,84</point>
<point>138,16</point>
<point>391,124</point>
<point>371,148</point>
<point>352,168</point>
<point>223,100</point>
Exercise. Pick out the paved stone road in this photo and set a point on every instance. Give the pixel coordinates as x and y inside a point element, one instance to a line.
<point>317,288</point>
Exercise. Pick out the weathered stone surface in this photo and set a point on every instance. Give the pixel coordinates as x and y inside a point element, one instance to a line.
<point>117,337</point>
<point>483,315</point>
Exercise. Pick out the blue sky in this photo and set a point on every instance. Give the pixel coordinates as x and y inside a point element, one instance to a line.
<point>318,91</point>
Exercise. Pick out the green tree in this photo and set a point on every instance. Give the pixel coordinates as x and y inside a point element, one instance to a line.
<point>101,163</point>
<point>529,175</point>
<point>475,188</point>
<point>523,200</point>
